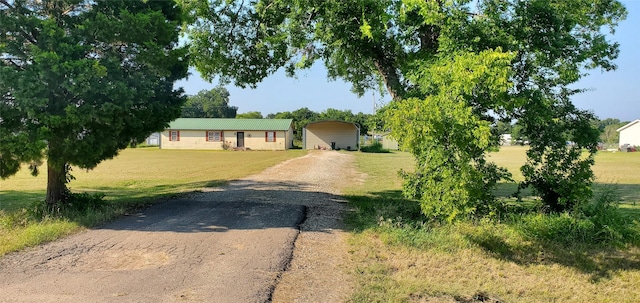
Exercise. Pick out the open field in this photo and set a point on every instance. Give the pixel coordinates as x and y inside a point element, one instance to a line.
<point>611,168</point>
<point>397,257</point>
<point>136,177</point>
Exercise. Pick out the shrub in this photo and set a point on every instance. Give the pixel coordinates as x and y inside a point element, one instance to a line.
<point>227,145</point>
<point>560,174</point>
<point>599,222</point>
<point>375,147</point>
<point>73,204</point>
<point>610,223</point>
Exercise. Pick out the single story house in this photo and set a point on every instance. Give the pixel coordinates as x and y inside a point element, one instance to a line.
<point>331,134</point>
<point>224,133</point>
<point>630,133</point>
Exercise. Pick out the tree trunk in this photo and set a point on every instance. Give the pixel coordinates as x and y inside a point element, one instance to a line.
<point>391,78</point>
<point>56,182</point>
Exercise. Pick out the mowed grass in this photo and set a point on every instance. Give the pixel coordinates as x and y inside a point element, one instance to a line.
<point>617,169</point>
<point>135,178</point>
<point>397,257</point>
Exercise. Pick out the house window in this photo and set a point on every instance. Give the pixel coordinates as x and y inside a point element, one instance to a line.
<point>214,136</point>
<point>174,135</point>
<point>270,136</point>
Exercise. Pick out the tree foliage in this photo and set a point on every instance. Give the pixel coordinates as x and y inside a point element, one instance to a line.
<point>212,103</point>
<point>608,129</point>
<point>394,44</point>
<point>244,42</point>
<point>81,80</point>
<point>303,116</point>
<point>249,115</point>
<point>449,141</point>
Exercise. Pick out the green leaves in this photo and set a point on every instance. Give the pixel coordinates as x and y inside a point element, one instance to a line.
<point>212,103</point>
<point>365,28</point>
<point>448,139</point>
<point>80,80</point>
<point>452,68</point>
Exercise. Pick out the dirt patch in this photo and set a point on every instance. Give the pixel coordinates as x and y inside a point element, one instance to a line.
<point>126,260</point>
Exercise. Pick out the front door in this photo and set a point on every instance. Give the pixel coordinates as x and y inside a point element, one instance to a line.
<point>240,139</point>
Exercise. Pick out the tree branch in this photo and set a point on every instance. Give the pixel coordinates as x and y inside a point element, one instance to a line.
<point>10,61</point>
<point>234,19</point>
<point>70,9</point>
<point>7,4</point>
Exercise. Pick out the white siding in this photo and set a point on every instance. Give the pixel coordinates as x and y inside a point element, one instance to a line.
<point>630,134</point>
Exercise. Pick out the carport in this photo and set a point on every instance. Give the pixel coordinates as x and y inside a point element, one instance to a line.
<point>331,135</point>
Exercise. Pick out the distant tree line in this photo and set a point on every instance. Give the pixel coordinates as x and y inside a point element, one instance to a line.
<point>214,103</point>
<point>304,116</point>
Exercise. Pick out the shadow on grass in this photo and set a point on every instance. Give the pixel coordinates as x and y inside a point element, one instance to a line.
<point>13,200</point>
<point>628,193</point>
<point>600,262</point>
<point>505,240</point>
<point>371,208</point>
<point>207,206</point>
<point>118,200</point>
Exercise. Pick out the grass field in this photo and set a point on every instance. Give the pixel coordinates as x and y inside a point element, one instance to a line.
<point>399,258</point>
<point>395,255</point>
<point>612,168</point>
<point>136,177</point>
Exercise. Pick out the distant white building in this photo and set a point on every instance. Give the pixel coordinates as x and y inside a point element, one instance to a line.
<point>389,143</point>
<point>153,139</point>
<point>505,139</point>
<point>630,133</point>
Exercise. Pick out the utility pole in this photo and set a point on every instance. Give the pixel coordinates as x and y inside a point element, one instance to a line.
<point>373,130</point>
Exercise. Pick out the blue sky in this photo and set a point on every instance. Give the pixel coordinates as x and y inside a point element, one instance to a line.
<point>613,94</point>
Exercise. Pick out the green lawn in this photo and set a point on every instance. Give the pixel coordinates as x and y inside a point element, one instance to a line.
<point>136,177</point>
<point>397,257</point>
<point>611,168</point>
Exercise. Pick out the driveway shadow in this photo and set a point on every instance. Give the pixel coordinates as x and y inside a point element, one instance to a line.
<point>239,205</point>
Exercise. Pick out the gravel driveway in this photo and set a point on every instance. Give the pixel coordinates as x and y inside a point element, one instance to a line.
<point>275,236</point>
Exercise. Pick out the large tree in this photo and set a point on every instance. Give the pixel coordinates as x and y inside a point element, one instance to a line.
<point>549,45</point>
<point>80,80</point>
<point>213,103</point>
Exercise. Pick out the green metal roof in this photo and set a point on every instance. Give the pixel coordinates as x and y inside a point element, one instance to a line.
<point>230,124</point>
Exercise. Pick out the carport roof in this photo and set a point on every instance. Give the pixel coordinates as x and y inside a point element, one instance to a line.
<point>332,121</point>
<point>230,124</point>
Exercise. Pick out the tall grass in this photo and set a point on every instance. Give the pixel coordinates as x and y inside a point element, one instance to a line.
<point>590,255</point>
<point>375,147</point>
